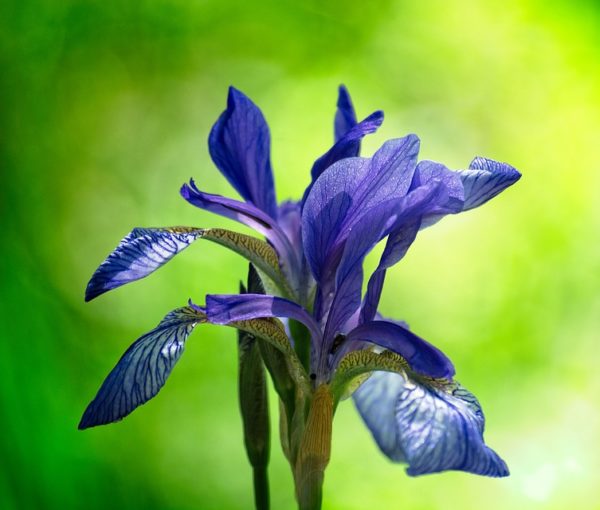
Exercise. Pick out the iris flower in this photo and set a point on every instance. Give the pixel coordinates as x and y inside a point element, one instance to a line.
<point>304,314</point>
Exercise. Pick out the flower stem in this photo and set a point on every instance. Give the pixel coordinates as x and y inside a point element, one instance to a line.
<point>301,337</point>
<point>261,488</point>
<point>314,451</point>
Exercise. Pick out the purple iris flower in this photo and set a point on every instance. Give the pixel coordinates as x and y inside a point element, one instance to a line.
<point>311,266</point>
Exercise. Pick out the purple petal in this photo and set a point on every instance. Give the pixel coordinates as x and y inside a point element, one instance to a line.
<point>227,308</point>
<point>428,172</point>
<point>240,146</point>
<point>422,357</point>
<point>345,116</point>
<point>416,205</point>
<point>143,369</point>
<point>246,214</point>
<point>346,192</point>
<point>485,179</point>
<point>433,426</point>
<point>140,253</point>
<point>396,247</point>
<point>243,212</point>
<point>289,219</point>
<point>349,275</point>
<point>348,145</point>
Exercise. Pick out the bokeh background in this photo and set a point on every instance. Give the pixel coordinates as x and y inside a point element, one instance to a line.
<point>105,110</point>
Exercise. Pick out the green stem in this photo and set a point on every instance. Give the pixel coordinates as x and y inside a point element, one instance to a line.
<point>314,451</point>
<point>261,488</point>
<point>310,495</point>
<point>301,337</point>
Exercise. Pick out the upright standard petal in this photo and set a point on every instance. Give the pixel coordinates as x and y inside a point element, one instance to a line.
<point>432,425</point>
<point>143,369</point>
<point>348,145</point>
<point>485,179</point>
<point>422,357</point>
<point>365,234</point>
<point>140,253</point>
<point>346,192</point>
<point>240,146</point>
<point>345,116</point>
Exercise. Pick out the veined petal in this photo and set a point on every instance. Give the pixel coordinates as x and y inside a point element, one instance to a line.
<point>422,357</point>
<point>365,234</point>
<point>428,172</point>
<point>485,179</point>
<point>432,425</point>
<point>246,214</point>
<point>144,250</point>
<point>345,116</point>
<point>243,212</point>
<point>227,308</point>
<point>348,145</point>
<point>410,212</point>
<point>240,146</point>
<point>140,253</point>
<point>261,321</point>
<point>346,192</point>
<point>437,192</point>
<point>143,369</point>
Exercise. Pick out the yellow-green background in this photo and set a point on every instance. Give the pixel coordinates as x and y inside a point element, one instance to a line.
<point>105,110</point>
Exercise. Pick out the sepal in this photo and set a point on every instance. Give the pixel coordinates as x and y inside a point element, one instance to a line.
<point>144,250</point>
<point>143,369</point>
<point>432,425</point>
<point>485,179</point>
<point>140,253</point>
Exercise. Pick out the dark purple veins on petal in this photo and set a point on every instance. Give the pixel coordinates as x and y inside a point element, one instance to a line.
<point>142,370</point>
<point>140,253</point>
<point>485,179</point>
<point>240,146</point>
<point>432,426</point>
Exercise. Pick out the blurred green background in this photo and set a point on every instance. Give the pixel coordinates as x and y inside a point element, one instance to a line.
<point>106,107</point>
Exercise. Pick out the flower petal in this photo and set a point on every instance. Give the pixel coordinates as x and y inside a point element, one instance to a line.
<point>140,253</point>
<point>345,116</point>
<point>365,234</point>
<point>432,425</point>
<point>357,366</point>
<point>346,192</point>
<point>348,145</point>
<point>243,212</point>
<point>452,201</point>
<point>227,308</point>
<point>485,179</point>
<point>422,357</point>
<point>143,369</point>
<point>240,146</point>
<point>246,214</point>
<point>144,250</point>
<point>410,213</point>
